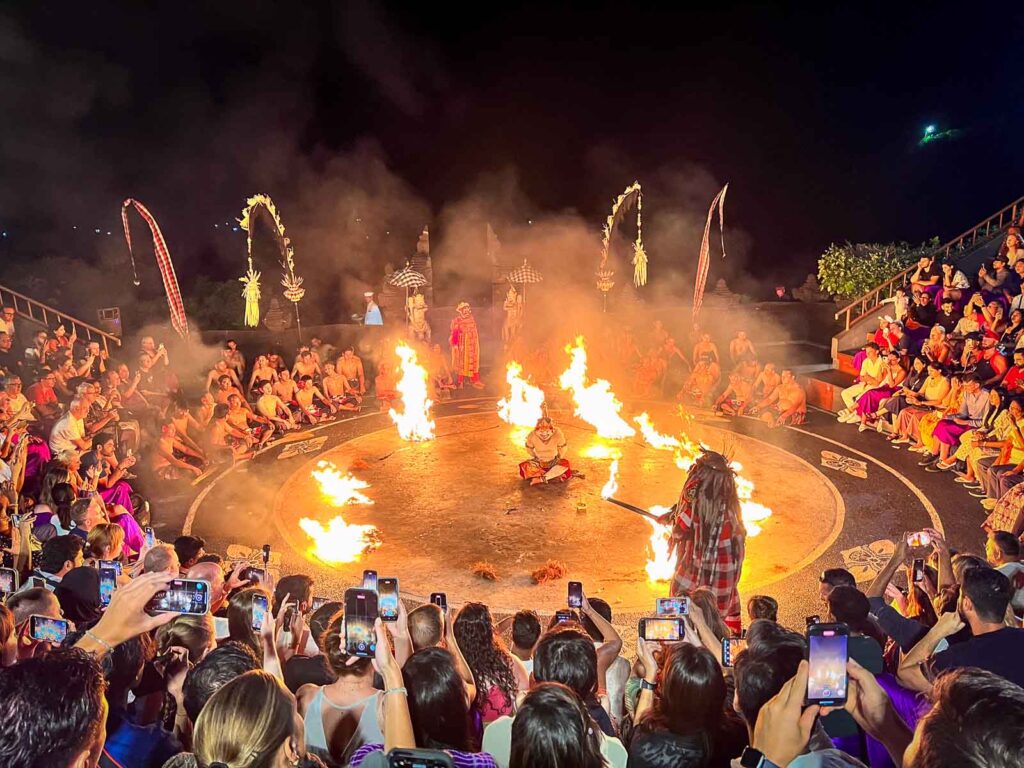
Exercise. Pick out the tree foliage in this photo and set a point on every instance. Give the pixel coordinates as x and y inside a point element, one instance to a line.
<point>852,269</point>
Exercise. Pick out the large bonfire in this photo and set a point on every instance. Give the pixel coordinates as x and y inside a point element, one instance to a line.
<point>594,401</point>
<point>339,541</point>
<point>524,404</point>
<point>414,422</point>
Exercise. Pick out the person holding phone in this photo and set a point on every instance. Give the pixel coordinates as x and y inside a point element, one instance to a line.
<point>498,674</point>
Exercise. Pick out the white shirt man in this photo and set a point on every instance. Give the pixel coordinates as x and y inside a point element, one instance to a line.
<point>68,434</point>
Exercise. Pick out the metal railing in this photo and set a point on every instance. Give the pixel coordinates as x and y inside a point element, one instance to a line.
<point>977,235</point>
<point>47,316</point>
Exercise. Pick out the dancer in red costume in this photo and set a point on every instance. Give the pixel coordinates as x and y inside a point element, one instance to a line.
<point>465,341</point>
<point>708,536</point>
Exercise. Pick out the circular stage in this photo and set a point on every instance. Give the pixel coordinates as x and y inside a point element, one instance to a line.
<point>444,505</point>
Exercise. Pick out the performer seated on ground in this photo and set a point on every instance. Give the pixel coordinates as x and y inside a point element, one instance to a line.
<point>737,396</point>
<point>286,388</point>
<point>259,428</point>
<point>351,367</point>
<point>273,408</point>
<point>705,347</point>
<point>702,381</point>
<point>648,371</point>
<point>312,401</point>
<point>767,381</point>
<point>227,388</point>
<point>305,365</point>
<point>338,389</point>
<point>787,404</point>
<point>221,368</point>
<point>183,422</point>
<point>708,537</point>
<point>228,441</point>
<point>385,386</point>
<point>204,412</point>
<point>173,460</point>
<point>440,371</point>
<point>261,371</point>
<point>546,444</point>
<point>740,347</point>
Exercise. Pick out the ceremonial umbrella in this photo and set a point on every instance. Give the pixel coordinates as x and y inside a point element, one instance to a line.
<point>524,275</point>
<point>407,278</point>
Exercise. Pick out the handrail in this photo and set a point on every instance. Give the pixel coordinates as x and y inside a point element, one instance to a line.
<point>869,301</point>
<point>26,307</point>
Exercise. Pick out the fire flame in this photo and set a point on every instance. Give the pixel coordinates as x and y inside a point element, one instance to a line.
<point>414,423</point>
<point>594,402</point>
<point>525,402</point>
<point>339,542</point>
<point>661,564</point>
<point>340,490</point>
<point>612,485</point>
<point>652,436</point>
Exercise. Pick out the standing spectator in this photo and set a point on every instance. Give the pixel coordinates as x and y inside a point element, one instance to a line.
<point>550,731</point>
<point>1003,553</point>
<point>831,578</point>
<point>188,549</point>
<point>525,636</point>
<point>499,675</point>
<point>763,607</point>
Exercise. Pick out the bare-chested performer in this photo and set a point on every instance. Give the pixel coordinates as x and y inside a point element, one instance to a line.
<point>351,367</point>
<point>169,461</point>
<point>737,396</point>
<point>305,365</point>
<point>307,396</point>
<point>285,387</point>
<point>339,391</point>
<point>386,386</point>
<point>204,412</point>
<point>262,371</point>
<point>705,347</point>
<point>183,422</point>
<point>740,347</point>
<point>787,404</point>
<point>702,381</point>
<point>226,389</point>
<point>272,407</point>
<point>767,381</point>
<point>221,368</point>
<point>230,442</point>
<point>242,418</point>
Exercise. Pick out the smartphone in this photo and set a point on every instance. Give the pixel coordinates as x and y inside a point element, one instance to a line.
<point>731,647</point>
<point>150,537</point>
<point>918,570</point>
<point>662,629</point>
<point>387,599</point>
<point>918,539</point>
<point>815,619</point>
<point>672,606</point>
<point>575,598</point>
<point>8,580</point>
<point>46,630</point>
<point>266,554</point>
<point>317,603</point>
<point>418,758</point>
<point>113,564</point>
<point>15,521</point>
<point>360,613</point>
<point>259,611</point>
<point>191,596</point>
<point>827,656</point>
<point>370,580</point>
<point>286,623</point>
<point>440,599</point>
<point>258,575</point>
<point>108,583</point>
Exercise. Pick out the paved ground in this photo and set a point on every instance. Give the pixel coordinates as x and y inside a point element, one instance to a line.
<point>438,516</point>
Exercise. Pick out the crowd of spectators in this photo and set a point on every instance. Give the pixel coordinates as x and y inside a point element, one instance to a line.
<point>944,378</point>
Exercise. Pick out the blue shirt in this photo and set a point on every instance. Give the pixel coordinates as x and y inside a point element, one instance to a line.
<point>373,316</point>
<point>138,746</point>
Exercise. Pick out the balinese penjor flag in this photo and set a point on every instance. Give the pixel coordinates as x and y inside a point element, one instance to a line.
<point>163,260</point>
<point>704,262</point>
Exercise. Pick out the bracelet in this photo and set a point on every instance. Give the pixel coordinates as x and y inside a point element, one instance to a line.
<point>97,639</point>
<point>396,690</point>
<point>647,686</point>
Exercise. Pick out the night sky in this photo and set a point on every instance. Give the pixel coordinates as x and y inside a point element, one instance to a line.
<point>812,116</point>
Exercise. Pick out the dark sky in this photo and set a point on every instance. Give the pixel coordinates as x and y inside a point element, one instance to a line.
<point>812,116</point>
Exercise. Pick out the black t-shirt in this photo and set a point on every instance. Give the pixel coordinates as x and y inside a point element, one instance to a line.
<point>948,320</point>
<point>999,652</point>
<point>10,361</point>
<point>923,313</point>
<point>932,270</point>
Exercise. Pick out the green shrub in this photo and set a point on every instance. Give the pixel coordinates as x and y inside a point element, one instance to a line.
<point>851,270</point>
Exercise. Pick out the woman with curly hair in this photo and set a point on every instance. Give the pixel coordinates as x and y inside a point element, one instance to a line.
<point>499,675</point>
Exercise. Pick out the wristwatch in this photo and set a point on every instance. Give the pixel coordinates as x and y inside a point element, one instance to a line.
<point>646,686</point>
<point>754,758</point>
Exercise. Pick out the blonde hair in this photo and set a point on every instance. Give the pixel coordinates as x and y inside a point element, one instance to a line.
<point>245,722</point>
<point>103,538</point>
<point>194,633</point>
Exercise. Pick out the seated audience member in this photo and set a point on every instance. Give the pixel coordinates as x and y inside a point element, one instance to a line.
<point>58,556</point>
<point>79,596</point>
<point>341,717</point>
<point>831,578</point>
<point>973,409</point>
<point>240,614</point>
<point>105,542</point>
<point>218,667</point>
<point>301,669</point>
<point>1003,553</point>
<point>24,604</point>
<point>985,594</point>
<point>8,638</point>
<point>68,432</point>
<point>439,709</point>
<point>686,725</point>
<point>254,714</point>
<point>299,588</point>
<point>872,371</point>
<point>188,549</point>
<point>498,674</point>
<point>193,634</point>
<point>525,636</point>
<point>53,711</point>
<point>763,607</point>
<point>426,626</point>
<point>162,558</point>
<point>551,731</point>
